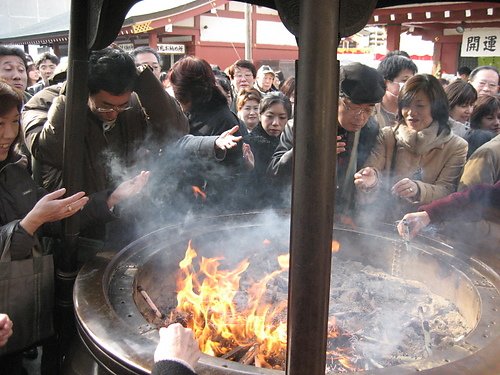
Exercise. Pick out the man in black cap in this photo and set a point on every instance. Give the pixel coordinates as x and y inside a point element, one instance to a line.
<point>360,88</point>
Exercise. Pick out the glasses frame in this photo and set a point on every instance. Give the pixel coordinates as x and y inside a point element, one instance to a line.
<point>359,112</point>
<point>113,109</point>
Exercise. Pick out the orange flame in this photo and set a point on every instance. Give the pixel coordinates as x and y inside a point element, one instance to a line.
<point>198,192</point>
<point>223,317</point>
<point>209,294</point>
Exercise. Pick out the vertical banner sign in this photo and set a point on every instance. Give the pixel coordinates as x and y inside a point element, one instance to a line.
<point>481,42</point>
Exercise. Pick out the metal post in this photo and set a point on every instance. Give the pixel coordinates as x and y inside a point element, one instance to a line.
<point>248,32</point>
<point>313,187</point>
<point>75,118</point>
<point>74,123</point>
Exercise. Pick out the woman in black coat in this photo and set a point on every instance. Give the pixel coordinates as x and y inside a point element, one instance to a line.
<point>275,109</point>
<point>194,86</point>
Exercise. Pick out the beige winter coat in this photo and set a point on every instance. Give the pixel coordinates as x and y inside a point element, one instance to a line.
<point>434,162</point>
<point>483,167</point>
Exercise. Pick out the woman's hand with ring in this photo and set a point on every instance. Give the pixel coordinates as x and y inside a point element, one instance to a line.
<point>405,188</point>
<point>52,207</point>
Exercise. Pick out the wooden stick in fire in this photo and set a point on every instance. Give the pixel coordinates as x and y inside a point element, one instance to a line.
<point>249,356</point>
<point>234,351</point>
<point>151,304</point>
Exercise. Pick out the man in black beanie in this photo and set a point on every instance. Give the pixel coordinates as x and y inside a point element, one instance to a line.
<point>360,88</point>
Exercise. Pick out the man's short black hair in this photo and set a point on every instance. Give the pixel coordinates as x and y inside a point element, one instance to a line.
<point>46,56</point>
<point>14,51</point>
<point>145,49</point>
<point>397,52</point>
<point>111,70</point>
<point>391,66</point>
<point>464,70</point>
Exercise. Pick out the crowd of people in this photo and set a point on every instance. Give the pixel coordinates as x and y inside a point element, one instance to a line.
<point>404,143</point>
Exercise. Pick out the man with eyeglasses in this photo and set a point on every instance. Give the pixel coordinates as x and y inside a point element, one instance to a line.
<point>129,116</point>
<point>485,80</point>
<point>242,74</point>
<point>396,70</point>
<point>360,88</point>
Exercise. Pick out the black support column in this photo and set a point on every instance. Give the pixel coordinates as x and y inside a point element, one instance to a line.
<point>313,187</point>
<point>74,125</point>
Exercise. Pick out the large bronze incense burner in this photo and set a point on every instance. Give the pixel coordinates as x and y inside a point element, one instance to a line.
<point>119,327</point>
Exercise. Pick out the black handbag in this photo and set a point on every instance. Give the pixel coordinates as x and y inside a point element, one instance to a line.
<point>27,296</point>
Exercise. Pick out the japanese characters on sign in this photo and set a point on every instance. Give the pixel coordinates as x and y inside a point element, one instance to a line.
<point>176,49</point>
<point>127,47</point>
<point>481,42</point>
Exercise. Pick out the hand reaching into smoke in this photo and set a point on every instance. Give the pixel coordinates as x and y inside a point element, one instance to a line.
<point>366,178</point>
<point>248,156</point>
<point>416,222</point>
<point>405,188</point>
<point>50,208</point>
<point>227,140</point>
<point>178,344</point>
<point>128,189</point>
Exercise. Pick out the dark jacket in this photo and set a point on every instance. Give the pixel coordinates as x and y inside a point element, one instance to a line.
<point>19,195</point>
<point>281,162</point>
<point>37,87</point>
<point>476,138</point>
<point>154,120</point>
<point>260,190</point>
<point>170,368</point>
<point>220,178</point>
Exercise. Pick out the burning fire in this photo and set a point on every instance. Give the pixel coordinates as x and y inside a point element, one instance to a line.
<point>335,246</point>
<point>249,329</point>
<point>198,192</point>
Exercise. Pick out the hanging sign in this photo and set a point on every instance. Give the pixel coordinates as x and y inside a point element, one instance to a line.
<point>127,47</point>
<point>481,42</point>
<point>176,49</point>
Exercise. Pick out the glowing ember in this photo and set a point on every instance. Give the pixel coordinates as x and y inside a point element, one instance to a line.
<point>335,246</point>
<point>252,331</point>
<point>198,192</point>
